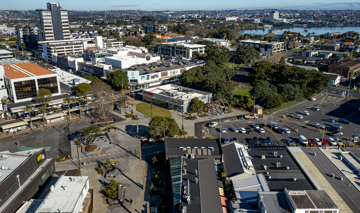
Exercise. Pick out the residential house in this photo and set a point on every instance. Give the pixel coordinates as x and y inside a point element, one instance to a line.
<point>324,54</point>
<point>331,47</point>
<point>310,53</point>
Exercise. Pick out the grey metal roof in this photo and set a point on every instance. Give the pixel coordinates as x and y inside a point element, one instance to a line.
<point>321,199</point>
<point>248,187</point>
<point>176,178</point>
<point>274,202</point>
<point>280,177</point>
<point>204,195</point>
<point>231,159</point>
<point>203,150</point>
<point>179,39</point>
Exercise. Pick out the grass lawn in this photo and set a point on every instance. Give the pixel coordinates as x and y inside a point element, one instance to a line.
<point>156,111</point>
<point>241,92</point>
<point>8,42</point>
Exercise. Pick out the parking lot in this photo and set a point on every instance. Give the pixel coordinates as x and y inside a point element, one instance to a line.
<point>331,105</point>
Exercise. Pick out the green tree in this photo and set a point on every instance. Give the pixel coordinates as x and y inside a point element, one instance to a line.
<point>90,133</point>
<point>263,89</point>
<point>43,96</point>
<point>107,164</point>
<point>158,123</point>
<point>246,55</point>
<point>290,92</point>
<point>259,71</point>
<point>80,101</point>
<point>249,103</point>
<point>68,100</point>
<point>23,46</point>
<point>118,79</point>
<point>92,78</point>
<point>196,105</point>
<point>273,101</point>
<point>42,110</point>
<point>4,102</point>
<point>83,89</point>
<point>148,38</point>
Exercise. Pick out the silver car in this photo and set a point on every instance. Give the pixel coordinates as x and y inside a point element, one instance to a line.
<point>235,129</point>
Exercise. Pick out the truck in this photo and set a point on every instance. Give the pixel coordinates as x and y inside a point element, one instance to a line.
<point>251,116</point>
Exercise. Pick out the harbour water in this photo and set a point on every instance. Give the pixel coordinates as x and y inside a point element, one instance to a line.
<point>316,30</point>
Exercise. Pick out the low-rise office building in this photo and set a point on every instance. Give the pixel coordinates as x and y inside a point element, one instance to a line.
<point>264,47</point>
<point>343,68</point>
<point>182,50</point>
<point>21,175</point>
<point>23,80</point>
<point>219,42</point>
<point>66,195</point>
<point>4,54</point>
<point>175,97</point>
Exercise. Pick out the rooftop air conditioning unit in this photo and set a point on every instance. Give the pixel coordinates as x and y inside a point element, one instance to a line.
<point>5,168</point>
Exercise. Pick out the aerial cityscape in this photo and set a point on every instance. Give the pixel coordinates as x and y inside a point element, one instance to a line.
<point>181,107</point>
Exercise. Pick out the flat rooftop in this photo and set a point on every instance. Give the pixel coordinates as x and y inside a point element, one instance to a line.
<point>311,199</point>
<point>281,177</point>
<point>13,160</point>
<point>177,92</point>
<point>146,69</point>
<point>67,77</point>
<point>24,70</point>
<point>5,52</point>
<point>66,194</point>
<point>204,148</point>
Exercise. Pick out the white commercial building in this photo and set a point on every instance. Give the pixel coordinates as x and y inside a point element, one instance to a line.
<point>5,54</point>
<point>131,58</point>
<point>233,18</point>
<point>274,15</point>
<point>68,195</point>
<point>219,42</point>
<point>183,50</point>
<point>68,80</point>
<point>264,47</point>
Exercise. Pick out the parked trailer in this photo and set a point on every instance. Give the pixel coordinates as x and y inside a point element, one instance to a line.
<point>251,116</point>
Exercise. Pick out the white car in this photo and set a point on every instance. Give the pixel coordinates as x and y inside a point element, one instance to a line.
<point>290,142</point>
<point>318,125</point>
<point>332,141</point>
<point>213,124</point>
<point>336,125</point>
<point>297,116</point>
<point>223,130</point>
<point>242,130</point>
<point>286,130</point>
<point>235,129</point>
<point>255,126</point>
<point>304,112</point>
<point>274,126</point>
<point>313,99</point>
<point>260,130</point>
<point>317,141</point>
<point>315,108</point>
<point>338,141</point>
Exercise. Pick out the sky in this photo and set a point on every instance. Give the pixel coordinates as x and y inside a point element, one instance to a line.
<point>155,4</point>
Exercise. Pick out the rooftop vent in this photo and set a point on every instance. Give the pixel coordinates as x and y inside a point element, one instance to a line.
<point>275,154</point>
<point>212,148</point>
<point>281,156</point>
<point>288,167</point>
<point>5,168</point>
<point>262,157</point>
<point>294,179</point>
<point>52,188</point>
<point>196,180</point>
<point>4,156</point>
<point>265,167</point>
<point>278,164</point>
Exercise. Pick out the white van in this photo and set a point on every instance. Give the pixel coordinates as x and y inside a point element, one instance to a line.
<point>303,140</point>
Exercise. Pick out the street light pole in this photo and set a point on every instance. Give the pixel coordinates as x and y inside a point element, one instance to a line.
<point>349,87</point>
<point>220,126</point>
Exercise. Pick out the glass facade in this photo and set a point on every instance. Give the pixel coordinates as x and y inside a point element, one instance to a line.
<point>48,83</point>
<point>25,89</point>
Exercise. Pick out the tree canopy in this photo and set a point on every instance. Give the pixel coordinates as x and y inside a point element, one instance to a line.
<point>245,55</point>
<point>83,89</point>
<point>91,132</point>
<point>43,96</point>
<point>92,78</point>
<point>148,38</point>
<point>196,105</point>
<point>118,79</point>
<point>158,123</point>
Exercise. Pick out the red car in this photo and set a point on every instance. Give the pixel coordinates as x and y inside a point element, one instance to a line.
<point>324,142</point>
<point>312,142</point>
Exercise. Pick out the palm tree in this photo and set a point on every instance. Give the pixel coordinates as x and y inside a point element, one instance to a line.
<point>68,100</point>
<point>80,101</point>
<point>29,108</point>
<point>42,109</point>
<point>4,101</point>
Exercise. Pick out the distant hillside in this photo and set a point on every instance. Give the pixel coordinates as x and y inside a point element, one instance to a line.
<point>317,6</point>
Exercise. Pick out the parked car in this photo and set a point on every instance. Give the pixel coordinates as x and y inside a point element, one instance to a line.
<point>312,142</point>
<point>240,117</point>
<point>303,140</point>
<point>336,125</point>
<point>248,130</point>
<point>304,112</point>
<point>330,120</point>
<point>318,125</point>
<point>255,126</point>
<point>317,141</point>
<point>332,141</point>
<point>297,116</point>
<point>280,131</point>
<point>223,130</point>
<point>234,129</point>
<point>213,124</point>
<point>345,121</point>
<point>242,130</point>
<point>260,130</point>
<point>313,99</point>
<point>274,126</point>
<point>227,139</point>
<point>324,142</point>
<point>339,142</point>
<point>262,125</point>
<point>332,128</point>
<point>336,134</point>
<point>315,108</point>
<point>290,142</point>
<point>286,130</point>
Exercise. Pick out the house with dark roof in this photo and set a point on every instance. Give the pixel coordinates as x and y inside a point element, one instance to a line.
<point>343,68</point>
<point>192,178</point>
<point>331,47</point>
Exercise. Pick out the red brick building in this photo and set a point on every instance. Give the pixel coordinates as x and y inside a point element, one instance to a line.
<point>344,67</point>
